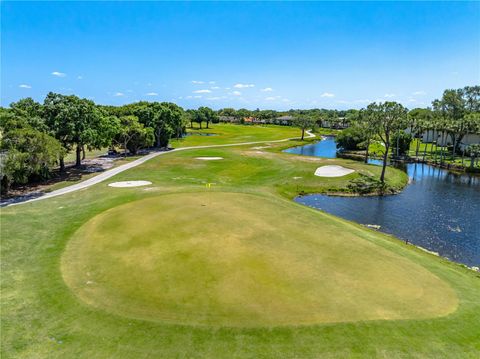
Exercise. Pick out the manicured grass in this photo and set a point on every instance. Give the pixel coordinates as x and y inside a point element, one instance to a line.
<point>200,265</point>
<point>71,156</point>
<point>267,169</point>
<point>224,134</point>
<point>82,176</point>
<point>228,133</point>
<point>250,274</point>
<point>435,153</point>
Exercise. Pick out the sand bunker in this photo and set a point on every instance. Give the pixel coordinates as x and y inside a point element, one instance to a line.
<point>129,184</point>
<point>209,158</point>
<point>333,171</point>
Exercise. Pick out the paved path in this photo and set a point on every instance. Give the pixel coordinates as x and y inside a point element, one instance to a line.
<point>37,196</point>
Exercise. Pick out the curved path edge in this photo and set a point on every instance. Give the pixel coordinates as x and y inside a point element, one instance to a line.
<point>37,196</point>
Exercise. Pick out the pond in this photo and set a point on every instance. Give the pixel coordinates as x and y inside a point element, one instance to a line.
<point>438,210</point>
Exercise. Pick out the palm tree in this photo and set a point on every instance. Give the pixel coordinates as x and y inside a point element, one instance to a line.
<point>427,127</point>
<point>443,128</point>
<point>474,150</point>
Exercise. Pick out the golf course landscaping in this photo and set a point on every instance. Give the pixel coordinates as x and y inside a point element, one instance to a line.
<point>212,258</point>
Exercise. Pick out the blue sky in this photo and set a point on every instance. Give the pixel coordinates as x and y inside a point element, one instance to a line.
<point>267,55</point>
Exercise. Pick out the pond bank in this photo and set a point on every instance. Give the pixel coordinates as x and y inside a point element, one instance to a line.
<point>437,211</point>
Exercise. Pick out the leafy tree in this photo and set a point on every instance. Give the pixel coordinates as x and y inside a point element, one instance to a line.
<point>27,154</point>
<point>31,111</point>
<point>242,114</point>
<point>190,116</point>
<point>9,121</point>
<point>403,141</point>
<point>228,111</point>
<point>360,133</point>
<point>267,115</point>
<point>174,117</point>
<point>198,117</point>
<point>351,139</point>
<point>474,151</point>
<point>367,127</point>
<point>420,121</point>
<point>304,122</point>
<point>388,117</point>
<point>132,135</point>
<point>454,118</point>
<point>206,114</point>
<point>75,123</point>
<point>471,96</point>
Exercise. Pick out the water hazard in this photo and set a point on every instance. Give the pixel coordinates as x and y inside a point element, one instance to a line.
<point>438,210</point>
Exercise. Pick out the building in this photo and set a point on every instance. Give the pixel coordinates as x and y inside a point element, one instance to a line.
<point>446,140</point>
<point>284,120</point>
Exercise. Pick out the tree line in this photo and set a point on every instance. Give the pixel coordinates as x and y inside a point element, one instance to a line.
<point>448,120</point>
<point>36,137</point>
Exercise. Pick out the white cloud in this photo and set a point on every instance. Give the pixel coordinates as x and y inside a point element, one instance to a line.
<point>236,93</point>
<point>151,94</point>
<point>59,74</point>
<point>267,89</point>
<point>211,82</point>
<point>189,97</point>
<point>363,101</point>
<point>197,82</point>
<point>119,94</point>
<point>215,87</point>
<point>202,91</point>
<point>25,86</point>
<point>79,77</point>
<point>198,96</point>
<point>389,95</point>
<point>243,86</point>
<point>327,94</point>
<point>214,98</point>
<point>270,98</point>
<point>419,93</point>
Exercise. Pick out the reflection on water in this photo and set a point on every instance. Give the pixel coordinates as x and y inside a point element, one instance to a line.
<point>438,210</point>
<point>325,148</point>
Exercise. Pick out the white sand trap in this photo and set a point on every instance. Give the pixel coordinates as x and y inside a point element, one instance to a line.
<point>129,184</point>
<point>209,158</point>
<point>333,171</point>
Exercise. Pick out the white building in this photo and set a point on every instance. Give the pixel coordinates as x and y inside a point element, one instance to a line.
<point>432,135</point>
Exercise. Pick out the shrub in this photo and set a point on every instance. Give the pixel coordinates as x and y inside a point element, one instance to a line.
<point>365,184</point>
<point>351,139</point>
<point>404,140</point>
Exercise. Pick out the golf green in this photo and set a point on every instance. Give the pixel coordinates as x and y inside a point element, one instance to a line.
<point>242,260</point>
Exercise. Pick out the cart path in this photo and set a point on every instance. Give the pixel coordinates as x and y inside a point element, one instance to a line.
<point>37,196</point>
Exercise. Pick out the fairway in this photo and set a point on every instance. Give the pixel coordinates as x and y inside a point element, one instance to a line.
<point>242,260</point>
<point>176,268</point>
<point>239,180</point>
